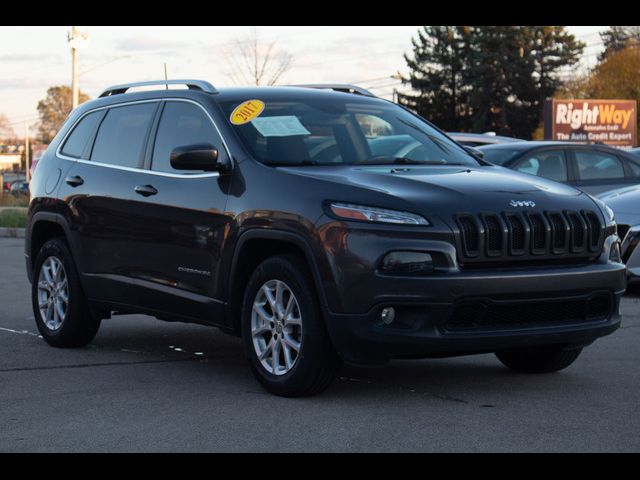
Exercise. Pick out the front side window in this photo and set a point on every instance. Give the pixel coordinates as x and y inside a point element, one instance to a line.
<point>122,133</point>
<point>77,141</point>
<point>598,165</point>
<point>339,130</point>
<point>182,124</point>
<point>551,164</point>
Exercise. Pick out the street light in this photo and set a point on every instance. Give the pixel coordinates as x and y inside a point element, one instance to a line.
<point>76,40</point>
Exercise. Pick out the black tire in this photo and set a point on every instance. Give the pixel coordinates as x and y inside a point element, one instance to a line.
<point>539,359</point>
<point>317,361</point>
<point>80,324</point>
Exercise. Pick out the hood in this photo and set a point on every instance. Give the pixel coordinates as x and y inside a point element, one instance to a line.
<point>448,189</point>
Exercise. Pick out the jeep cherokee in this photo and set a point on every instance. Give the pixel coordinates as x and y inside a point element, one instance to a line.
<point>317,222</point>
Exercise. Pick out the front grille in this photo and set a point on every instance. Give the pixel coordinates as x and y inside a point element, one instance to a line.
<point>486,315</point>
<point>565,234</point>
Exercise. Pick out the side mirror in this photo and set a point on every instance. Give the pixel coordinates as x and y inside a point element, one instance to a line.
<point>200,156</point>
<point>474,151</point>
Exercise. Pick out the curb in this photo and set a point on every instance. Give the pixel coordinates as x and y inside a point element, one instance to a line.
<point>11,232</point>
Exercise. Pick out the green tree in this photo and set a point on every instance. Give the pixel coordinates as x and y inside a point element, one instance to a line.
<point>54,109</point>
<point>437,65</point>
<point>501,80</point>
<point>483,78</point>
<point>618,38</point>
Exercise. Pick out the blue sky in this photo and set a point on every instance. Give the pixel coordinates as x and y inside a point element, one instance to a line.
<point>34,58</point>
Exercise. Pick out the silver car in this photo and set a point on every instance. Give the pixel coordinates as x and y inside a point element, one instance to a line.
<point>625,203</point>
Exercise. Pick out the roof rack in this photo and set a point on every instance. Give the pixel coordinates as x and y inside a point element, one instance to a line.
<point>201,85</point>
<point>338,87</point>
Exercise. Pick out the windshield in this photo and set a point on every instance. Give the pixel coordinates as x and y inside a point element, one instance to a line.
<point>499,156</point>
<point>339,130</point>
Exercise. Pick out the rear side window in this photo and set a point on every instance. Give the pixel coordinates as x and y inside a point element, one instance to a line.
<point>77,140</point>
<point>551,164</point>
<point>182,124</point>
<point>122,134</point>
<point>635,168</point>
<point>598,165</point>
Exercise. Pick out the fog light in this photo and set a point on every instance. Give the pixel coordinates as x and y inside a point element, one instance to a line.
<point>407,263</point>
<point>388,315</point>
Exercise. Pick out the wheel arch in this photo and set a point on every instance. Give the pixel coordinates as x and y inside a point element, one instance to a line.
<point>253,247</point>
<point>42,227</point>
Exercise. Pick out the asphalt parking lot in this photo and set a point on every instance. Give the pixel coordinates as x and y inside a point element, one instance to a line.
<point>147,385</point>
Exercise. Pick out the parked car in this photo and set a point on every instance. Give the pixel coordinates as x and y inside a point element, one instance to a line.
<point>214,207</point>
<point>591,168</point>
<point>19,188</point>
<point>625,203</point>
<point>635,151</point>
<point>480,139</point>
<point>9,179</point>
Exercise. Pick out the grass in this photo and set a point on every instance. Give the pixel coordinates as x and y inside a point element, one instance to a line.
<point>8,200</point>
<point>13,219</point>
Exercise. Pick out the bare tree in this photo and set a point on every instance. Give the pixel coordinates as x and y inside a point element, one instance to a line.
<point>255,63</point>
<point>6,130</point>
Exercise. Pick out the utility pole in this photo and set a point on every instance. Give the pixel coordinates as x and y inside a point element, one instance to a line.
<point>75,38</point>
<point>26,151</point>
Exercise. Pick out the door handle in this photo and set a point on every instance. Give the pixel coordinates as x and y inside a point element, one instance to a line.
<point>145,190</point>
<point>75,181</point>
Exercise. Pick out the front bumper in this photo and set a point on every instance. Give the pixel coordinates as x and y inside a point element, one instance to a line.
<point>423,327</point>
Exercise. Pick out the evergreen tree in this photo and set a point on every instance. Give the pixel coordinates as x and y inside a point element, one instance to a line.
<point>488,78</point>
<point>552,49</point>
<point>439,58</point>
<point>617,38</point>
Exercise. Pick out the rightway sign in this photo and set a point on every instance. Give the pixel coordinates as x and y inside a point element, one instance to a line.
<point>612,122</point>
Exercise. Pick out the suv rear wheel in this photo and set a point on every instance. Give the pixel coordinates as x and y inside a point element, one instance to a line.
<point>59,305</point>
<point>283,332</point>
<point>539,359</point>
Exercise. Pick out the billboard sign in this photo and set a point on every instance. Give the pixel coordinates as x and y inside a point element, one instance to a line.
<point>612,122</point>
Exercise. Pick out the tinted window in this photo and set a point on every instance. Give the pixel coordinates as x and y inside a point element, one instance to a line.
<point>598,165</point>
<point>122,134</point>
<point>77,141</point>
<point>499,156</point>
<point>635,168</point>
<point>334,129</point>
<point>182,124</point>
<point>551,164</point>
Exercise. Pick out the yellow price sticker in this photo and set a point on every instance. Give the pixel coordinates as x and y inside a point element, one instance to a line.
<point>246,111</point>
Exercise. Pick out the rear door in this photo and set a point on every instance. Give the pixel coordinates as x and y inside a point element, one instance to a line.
<point>179,225</point>
<point>98,190</point>
<point>598,171</point>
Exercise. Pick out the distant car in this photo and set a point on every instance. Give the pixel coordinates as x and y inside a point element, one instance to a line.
<point>9,179</point>
<point>480,139</point>
<point>625,203</point>
<point>591,168</point>
<point>19,188</point>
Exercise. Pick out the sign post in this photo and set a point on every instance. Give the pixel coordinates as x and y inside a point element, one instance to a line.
<point>612,122</point>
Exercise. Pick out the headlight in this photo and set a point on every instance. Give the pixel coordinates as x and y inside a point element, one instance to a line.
<point>348,211</point>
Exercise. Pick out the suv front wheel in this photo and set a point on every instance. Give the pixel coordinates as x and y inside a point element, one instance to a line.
<point>282,329</point>
<point>59,305</point>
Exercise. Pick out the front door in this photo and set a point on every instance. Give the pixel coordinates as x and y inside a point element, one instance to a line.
<point>179,221</point>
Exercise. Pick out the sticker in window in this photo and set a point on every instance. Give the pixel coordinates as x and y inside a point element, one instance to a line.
<point>284,126</point>
<point>246,111</point>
